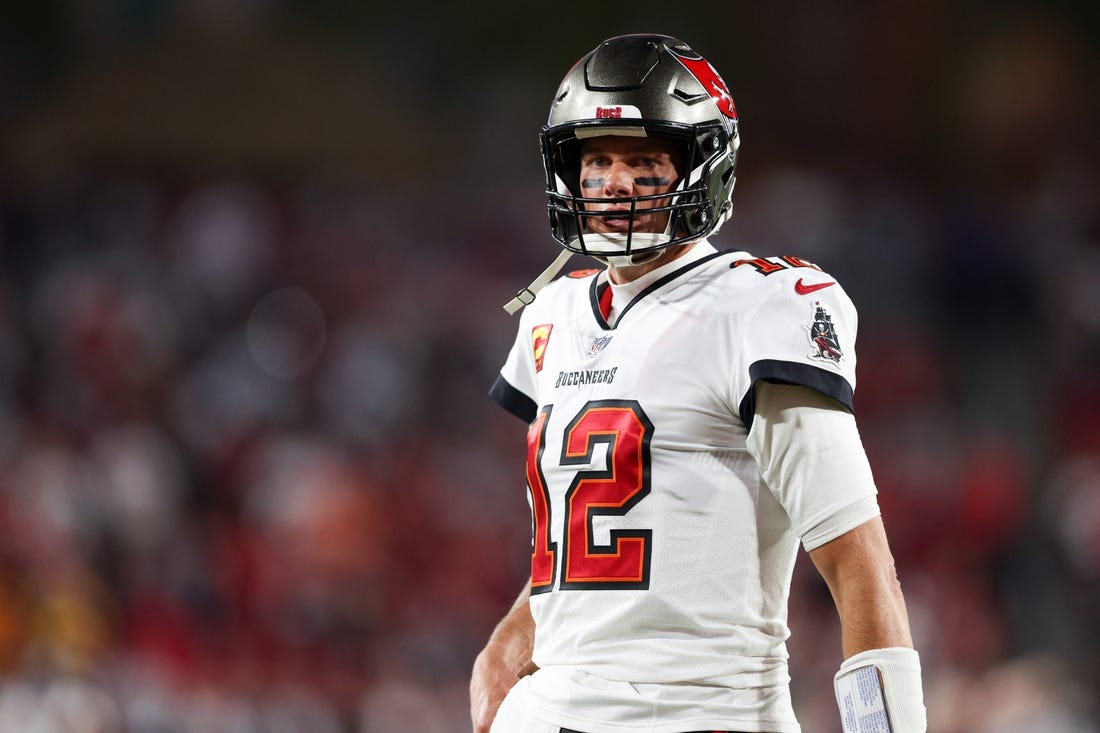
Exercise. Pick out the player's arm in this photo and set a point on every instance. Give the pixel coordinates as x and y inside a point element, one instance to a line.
<point>812,459</point>
<point>504,660</point>
<point>859,570</point>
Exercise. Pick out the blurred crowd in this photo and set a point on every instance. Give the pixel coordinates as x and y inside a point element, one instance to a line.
<point>251,480</point>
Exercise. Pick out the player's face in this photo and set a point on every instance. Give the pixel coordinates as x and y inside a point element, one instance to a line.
<point>615,168</point>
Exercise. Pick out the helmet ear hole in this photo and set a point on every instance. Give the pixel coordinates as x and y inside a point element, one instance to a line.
<point>695,218</point>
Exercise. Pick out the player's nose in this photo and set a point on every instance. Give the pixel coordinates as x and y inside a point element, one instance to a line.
<point>619,180</point>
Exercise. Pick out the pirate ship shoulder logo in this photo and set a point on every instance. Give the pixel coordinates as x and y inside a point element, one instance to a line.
<point>823,337</point>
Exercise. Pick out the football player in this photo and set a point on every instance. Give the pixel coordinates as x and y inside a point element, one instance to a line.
<point>690,423</point>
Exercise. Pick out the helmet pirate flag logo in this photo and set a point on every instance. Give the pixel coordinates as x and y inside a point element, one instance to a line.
<point>705,74</point>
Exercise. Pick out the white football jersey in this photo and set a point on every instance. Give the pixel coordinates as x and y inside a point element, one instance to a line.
<point>660,557</point>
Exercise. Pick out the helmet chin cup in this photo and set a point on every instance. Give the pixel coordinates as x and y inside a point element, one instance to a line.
<point>628,260</point>
<point>614,244</point>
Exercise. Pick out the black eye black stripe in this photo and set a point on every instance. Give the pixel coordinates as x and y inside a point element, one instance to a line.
<point>640,181</point>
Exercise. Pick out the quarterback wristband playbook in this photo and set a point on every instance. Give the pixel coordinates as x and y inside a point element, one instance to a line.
<point>879,691</point>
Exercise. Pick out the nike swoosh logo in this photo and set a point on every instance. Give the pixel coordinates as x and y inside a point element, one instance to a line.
<point>807,289</point>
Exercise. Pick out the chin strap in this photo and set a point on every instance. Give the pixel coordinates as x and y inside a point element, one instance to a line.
<point>527,295</point>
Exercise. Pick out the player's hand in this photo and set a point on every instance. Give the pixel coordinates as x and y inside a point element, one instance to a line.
<point>491,680</point>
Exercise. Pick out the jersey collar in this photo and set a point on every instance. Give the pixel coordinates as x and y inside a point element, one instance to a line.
<point>625,295</point>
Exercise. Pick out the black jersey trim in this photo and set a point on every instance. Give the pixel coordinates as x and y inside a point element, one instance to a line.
<point>512,400</point>
<point>829,384</point>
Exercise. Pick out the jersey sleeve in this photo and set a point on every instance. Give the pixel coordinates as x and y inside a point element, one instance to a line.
<point>799,335</point>
<point>514,388</point>
<point>812,460</point>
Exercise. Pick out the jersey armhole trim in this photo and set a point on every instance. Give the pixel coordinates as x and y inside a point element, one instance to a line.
<point>512,400</point>
<point>790,372</point>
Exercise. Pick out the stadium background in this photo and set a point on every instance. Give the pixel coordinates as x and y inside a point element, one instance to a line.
<point>252,258</point>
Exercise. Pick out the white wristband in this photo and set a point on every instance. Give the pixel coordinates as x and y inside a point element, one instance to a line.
<point>879,691</point>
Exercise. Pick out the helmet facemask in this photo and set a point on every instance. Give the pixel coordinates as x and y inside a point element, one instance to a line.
<point>690,205</point>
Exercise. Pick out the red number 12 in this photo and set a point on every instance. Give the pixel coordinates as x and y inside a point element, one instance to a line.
<point>622,563</point>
